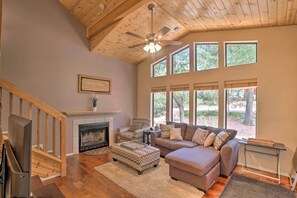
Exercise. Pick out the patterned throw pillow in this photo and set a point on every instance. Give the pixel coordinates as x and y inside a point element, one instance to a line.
<point>200,136</point>
<point>210,139</point>
<point>175,134</point>
<point>221,139</point>
<point>165,130</point>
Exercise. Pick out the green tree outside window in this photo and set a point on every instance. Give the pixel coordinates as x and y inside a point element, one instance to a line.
<point>181,61</point>
<point>207,56</point>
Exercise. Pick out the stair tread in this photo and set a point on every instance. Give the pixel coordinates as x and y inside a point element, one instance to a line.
<point>36,182</point>
<point>50,190</point>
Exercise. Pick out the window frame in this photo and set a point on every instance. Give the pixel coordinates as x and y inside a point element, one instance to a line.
<point>153,68</point>
<point>240,43</point>
<point>171,103</point>
<point>225,108</point>
<point>195,55</point>
<point>176,52</point>
<point>195,106</point>
<point>153,105</point>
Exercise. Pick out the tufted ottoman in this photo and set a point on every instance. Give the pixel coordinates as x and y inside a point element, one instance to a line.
<point>139,158</point>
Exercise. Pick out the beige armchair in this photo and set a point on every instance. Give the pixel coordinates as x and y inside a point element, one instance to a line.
<point>133,132</point>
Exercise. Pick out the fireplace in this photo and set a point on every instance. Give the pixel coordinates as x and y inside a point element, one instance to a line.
<point>92,136</point>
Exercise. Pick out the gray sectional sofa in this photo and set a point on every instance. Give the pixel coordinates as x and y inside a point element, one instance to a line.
<point>195,164</point>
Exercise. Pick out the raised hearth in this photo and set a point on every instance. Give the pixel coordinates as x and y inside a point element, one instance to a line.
<point>92,136</point>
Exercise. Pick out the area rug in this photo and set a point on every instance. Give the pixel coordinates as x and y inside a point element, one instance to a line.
<point>99,151</point>
<point>153,183</point>
<point>243,187</point>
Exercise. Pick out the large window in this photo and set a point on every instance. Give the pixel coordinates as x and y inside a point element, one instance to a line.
<point>159,108</point>
<point>180,106</point>
<point>207,107</point>
<point>207,56</point>
<point>181,61</point>
<point>160,68</point>
<point>240,53</point>
<point>241,108</point>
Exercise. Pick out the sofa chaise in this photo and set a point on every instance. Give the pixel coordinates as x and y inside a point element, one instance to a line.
<point>196,164</point>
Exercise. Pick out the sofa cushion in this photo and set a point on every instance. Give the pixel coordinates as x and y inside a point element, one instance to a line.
<point>182,144</point>
<point>210,139</point>
<point>232,133</point>
<point>221,139</point>
<point>198,160</point>
<point>175,134</point>
<point>214,130</point>
<point>183,127</point>
<point>128,135</point>
<point>136,125</point>
<point>191,129</point>
<point>200,136</point>
<point>165,130</point>
<point>164,142</point>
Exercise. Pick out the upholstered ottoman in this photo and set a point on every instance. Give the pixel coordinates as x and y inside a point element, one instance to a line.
<point>137,157</point>
<point>198,166</point>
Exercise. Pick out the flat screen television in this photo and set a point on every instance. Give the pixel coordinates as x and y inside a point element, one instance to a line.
<point>16,161</point>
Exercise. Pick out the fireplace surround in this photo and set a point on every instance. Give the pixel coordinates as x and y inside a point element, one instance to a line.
<point>93,135</point>
<point>89,120</point>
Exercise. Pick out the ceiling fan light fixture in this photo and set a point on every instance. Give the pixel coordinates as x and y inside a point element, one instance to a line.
<point>152,47</point>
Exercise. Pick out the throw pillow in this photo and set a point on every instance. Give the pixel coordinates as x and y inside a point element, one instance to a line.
<point>165,130</point>
<point>221,139</point>
<point>200,136</point>
<point>210,139</point>
<point>175,134</point>
<point>136,125</point>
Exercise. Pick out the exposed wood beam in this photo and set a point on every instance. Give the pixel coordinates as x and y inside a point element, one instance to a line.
<point>120,12</point>
<point>100,36</point>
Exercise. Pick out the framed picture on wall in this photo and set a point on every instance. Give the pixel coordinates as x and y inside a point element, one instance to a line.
<point>93,85</point>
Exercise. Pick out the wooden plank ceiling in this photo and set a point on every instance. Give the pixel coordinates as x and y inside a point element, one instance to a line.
<point>106,21</point>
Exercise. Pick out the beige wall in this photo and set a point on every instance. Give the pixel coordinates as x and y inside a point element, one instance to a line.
<point>44,49</point>
<point>276,72</point>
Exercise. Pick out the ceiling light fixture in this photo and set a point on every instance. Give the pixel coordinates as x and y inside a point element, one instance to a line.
<point>153,41</point>
<point>152,47</point>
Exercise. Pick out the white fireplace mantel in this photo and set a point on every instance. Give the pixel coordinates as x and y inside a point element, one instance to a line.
<point>99,112</point>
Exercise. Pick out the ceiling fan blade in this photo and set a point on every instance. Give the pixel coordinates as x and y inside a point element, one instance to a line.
<point>132,46</point>
<point>170,42</point>
<point>135,35</point>
<point>164,30</point>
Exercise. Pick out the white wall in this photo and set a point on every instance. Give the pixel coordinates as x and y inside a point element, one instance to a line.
<point>276,73</point>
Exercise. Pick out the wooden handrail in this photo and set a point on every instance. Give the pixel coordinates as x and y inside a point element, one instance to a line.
<point>49,111</point>
<point>30,99</point>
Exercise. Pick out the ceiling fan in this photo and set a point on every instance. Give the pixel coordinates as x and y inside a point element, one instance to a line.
<point>153,40</point>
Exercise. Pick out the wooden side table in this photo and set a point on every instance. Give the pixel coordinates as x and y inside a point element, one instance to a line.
<point>276,148</point>
<point>147,135</point>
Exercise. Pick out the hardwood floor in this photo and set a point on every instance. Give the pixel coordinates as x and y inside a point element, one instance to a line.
<point>83,180</point>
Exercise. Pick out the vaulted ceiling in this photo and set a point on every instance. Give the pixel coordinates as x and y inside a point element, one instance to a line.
<point>106,21</point>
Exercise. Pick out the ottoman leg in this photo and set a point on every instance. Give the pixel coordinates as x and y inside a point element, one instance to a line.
<point>156,165</point>
<point>140,172</point>
<point>114,159</point>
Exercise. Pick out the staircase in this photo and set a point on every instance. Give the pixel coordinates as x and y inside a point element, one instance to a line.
<point>48,129</point>
<point>40,190</point>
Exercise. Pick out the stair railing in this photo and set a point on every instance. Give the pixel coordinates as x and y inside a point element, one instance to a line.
<point>54,146</point>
